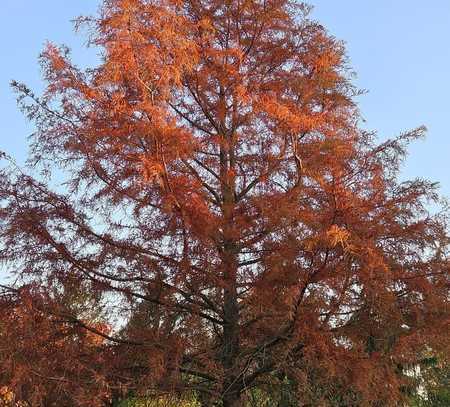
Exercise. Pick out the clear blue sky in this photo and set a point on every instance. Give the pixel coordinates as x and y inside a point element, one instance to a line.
<point>399,49</point>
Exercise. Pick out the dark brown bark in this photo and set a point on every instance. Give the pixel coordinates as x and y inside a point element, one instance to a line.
<point>230,346</point>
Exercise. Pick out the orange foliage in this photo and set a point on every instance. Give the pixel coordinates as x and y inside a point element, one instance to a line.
<point>219,186</point>
<point>47,359</point>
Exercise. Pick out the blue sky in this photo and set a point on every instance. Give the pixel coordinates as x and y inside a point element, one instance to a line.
<point>399,49</point>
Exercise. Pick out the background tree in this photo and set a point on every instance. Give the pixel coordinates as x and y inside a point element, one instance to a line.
<point>432,374</point>
<point>216,172</point>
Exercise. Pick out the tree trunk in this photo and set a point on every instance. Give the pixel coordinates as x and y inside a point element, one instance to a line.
<point>230,346</point>
<point>230,349</point>
<point>231,400</point>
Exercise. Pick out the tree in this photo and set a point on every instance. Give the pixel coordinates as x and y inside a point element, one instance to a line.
<point>46,360</point>
<point>434,384</point>
<point>217,173</point>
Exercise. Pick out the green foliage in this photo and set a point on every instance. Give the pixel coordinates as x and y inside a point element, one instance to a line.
<point>435,388</point>
<point>165,401</point>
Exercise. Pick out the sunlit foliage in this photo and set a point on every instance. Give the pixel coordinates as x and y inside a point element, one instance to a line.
<point>240,231</point>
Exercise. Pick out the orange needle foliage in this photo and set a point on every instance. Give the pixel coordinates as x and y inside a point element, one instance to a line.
<point>220,192</point>
<point>47,360</point>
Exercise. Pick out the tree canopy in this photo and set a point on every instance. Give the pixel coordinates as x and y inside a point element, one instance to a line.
<point>224,213</point>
